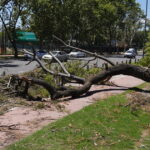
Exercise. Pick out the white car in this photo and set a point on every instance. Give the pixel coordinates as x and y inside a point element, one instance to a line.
<point>77,54</point>
<point>61,55</point>
<point>131,53</point>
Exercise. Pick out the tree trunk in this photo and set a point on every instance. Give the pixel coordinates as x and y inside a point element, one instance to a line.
<point>12,41</point>
<point>15,49</point>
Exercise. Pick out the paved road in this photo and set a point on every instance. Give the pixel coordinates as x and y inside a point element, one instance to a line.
<point>15,66</point>
<point>115,59</point>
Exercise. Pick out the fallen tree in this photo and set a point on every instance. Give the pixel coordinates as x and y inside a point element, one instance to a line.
<point>64,91</point>
<point>125,69</point>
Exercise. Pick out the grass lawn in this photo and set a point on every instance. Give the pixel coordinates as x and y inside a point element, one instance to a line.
<point>105,125</point>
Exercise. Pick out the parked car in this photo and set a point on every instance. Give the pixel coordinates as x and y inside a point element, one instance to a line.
<point>61,55</point>
<point>131,53</point>
<point>27,56</point>
<point>77,54</point>
<point>39,54</point>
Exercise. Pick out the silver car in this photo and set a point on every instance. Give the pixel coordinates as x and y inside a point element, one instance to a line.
<point>77,54</point>
<point>61,55</point>
<point>131,53</point>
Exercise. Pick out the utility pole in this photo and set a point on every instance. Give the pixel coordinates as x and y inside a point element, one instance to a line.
<point>145,23</point>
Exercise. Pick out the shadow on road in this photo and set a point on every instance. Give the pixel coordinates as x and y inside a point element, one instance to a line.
<point>8,65</point>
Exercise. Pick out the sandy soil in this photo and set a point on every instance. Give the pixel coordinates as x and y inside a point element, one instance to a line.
<point>20,122</point>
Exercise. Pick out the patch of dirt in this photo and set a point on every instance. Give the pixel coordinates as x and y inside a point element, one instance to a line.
<point>145,133</point>
<point>139,100</point>
<point>24,117</point>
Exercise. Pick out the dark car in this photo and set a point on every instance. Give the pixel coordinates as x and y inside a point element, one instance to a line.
<point>39,54</point>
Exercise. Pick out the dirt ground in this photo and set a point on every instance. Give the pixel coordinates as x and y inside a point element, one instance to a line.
<point>21,121</point>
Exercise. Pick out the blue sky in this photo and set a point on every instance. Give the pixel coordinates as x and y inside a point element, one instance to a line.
<point>143,6</point>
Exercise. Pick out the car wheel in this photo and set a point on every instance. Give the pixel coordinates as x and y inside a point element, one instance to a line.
<point>25,58</point>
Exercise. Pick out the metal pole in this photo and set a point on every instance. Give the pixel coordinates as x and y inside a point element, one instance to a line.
<point>145,23</point>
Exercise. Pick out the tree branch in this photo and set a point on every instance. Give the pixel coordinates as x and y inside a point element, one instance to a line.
<point>62,66</point>
<point>85,51</point>
<point>88,62</point>
<point>73,77</point>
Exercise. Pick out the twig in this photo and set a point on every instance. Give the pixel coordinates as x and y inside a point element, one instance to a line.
<point>79,79</point>
<point>29,62</point>
<point>12,93</point>
<point>8,85</point>
<point>88,62</point>
<point>12,126</point>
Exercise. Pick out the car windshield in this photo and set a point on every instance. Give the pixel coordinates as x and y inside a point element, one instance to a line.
<point>41,52</point>
<point>129,52</point>
<point>73,51</point>
<point>131,49</point>
<point>54,52</point>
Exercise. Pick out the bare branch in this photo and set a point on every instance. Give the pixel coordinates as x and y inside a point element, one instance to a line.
<point>62,66</point>
<point>88,62</point>
<point>8,84</point>
<point>85,51</point>
<point>73,77</point>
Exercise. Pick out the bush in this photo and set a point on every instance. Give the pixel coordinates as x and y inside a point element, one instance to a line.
<point>76,68</point>
<point>146,60</point>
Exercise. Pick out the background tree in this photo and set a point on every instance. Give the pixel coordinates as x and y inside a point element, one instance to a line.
<point>11,12</point>
<point>89,22</point>
<point>146,60</point>
<point>94,22</point>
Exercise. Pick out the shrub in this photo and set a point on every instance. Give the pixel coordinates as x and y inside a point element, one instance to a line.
<point>76,68</point>
<point>146,60</point>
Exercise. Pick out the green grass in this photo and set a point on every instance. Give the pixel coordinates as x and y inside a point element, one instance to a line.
<point>105,125</point>
<point>145,145</point>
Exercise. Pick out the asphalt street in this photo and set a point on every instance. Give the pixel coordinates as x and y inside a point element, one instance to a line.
<point>17,66</point>
<point>116,59</point>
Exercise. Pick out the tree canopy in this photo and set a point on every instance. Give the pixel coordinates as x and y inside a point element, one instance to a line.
<point>87,21</point>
